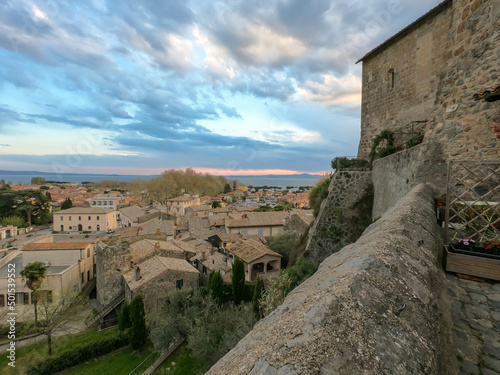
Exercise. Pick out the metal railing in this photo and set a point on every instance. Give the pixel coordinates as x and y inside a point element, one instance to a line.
<point>473,201</point>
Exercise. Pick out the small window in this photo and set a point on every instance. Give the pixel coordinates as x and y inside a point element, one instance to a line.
<point>83,277</point>
<point>88,253</point>
<point>70,227</point>
<point>90,227</point>
<point>179,283</point>
<point>390,79</point>
<point>61,218</point>
<point>97,217</point>
<point>90,218</point>
<point>79,218</point>
<point>70,218</point>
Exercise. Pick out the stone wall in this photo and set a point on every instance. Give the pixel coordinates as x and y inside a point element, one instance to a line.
<point>395,175</point>
<point>376,307</point>
<point>438,66</point>
<point>111,260</point>
<point>332,228</point>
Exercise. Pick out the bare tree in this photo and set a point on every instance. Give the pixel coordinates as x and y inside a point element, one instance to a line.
<point>60,312</point>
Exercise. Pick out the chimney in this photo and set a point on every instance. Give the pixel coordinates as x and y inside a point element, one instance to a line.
<point>203,255</point>
<point>157,246</point>
<point>137,274</point>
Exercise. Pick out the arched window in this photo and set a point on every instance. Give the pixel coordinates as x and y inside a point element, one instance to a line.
<point>390,79</point>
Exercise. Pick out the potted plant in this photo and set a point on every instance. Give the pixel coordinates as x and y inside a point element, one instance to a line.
<point>468,257</point>
<point>486,249</point>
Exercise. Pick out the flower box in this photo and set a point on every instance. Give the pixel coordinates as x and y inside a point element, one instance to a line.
<point>472,263</point>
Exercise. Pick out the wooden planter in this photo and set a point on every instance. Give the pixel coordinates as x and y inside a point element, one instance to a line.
<point>472,265</point>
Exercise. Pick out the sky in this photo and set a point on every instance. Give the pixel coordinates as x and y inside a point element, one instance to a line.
<point>232,87</point>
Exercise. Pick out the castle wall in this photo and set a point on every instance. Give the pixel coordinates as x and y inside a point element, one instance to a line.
<point>438,67</point>
<point>111,260</point>
<point>395,175</point>
<point>332,229</point>
<point>379,306</point>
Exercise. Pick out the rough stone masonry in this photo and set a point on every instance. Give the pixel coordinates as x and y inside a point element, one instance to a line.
<point>376,307</point>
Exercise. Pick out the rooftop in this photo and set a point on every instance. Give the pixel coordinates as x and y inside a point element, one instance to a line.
<point>258,219</point>
<point>431,13</point>
<point>56,246</point>
<point>85,210</point>
<point>153,267</point>
<point>250,250</point>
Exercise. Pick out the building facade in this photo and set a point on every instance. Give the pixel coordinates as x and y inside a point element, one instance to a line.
<point>426,76</point>
<point>78,219</point>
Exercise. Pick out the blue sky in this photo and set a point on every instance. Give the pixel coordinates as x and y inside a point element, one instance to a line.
<point>228,87</point>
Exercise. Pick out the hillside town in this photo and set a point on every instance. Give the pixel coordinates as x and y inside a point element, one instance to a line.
<point>168,246</point>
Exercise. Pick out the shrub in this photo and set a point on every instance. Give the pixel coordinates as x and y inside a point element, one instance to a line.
<point>216,286</point>
<point>76,356</point>
<point>345,163</point>
<point>317,193</point>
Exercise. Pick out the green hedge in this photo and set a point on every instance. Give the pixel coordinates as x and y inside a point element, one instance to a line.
<point>79,355</point>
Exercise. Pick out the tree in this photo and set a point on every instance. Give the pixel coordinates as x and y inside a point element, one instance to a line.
<point>67,203</point>
<point>124,321</point>
<point>59,312</point>
<point>215,204</point>
<point>138,332</point>
<point>234,185</point>
<point>48,195</point>
<point>14,220</point>
<point>227,188</point>
<point>34,273</point>
<point>216,286</point>
<point>283,243</point>
<point>238,280</point>
<point>37,180</point>
<point>257,295</point>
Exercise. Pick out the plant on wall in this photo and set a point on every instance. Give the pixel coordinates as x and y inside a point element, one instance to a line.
<point>388,149</point>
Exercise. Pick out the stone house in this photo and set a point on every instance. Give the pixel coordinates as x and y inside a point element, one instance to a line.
<point>158,276</point>
<point>134,215</point>
<point>178,205</point>
<point>197,211</point>
<point>426,76</point>
<point>263,224</point>
<point>260,261</point>
<point>77,219</point>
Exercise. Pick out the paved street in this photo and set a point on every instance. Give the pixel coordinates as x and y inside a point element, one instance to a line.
<point>476,315</point>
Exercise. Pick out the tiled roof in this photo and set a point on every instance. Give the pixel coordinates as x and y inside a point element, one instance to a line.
<point>215,262</point>
<point>490,94</point>
<point>250,250</point>
<point>134,212</point>
<point>56,246</point>
<point>141,249</point>
<point>180,199</point>
<point>229,237</point>
<point>155,225</point>
<point>85,210</point>
<point>259,219</point>
<point>153,267</point>
<point>431,13</point>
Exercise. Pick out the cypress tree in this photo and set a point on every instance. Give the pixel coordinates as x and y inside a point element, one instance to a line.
<point>238,280</point>
<point>138,332</point>
<point>124,321</point>
<point>216,286</point>
<point>257,295</point>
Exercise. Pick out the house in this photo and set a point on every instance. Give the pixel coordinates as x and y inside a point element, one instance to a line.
<point>78,219</point>
<point>8,231</point>
<point>210,261</point>
<point>428,80</point>
<point>252,200</point>
<point>158,276</point>
<point>112,200</point>
<point>178,205</point>
<point>299,221</point>
<point>206,199</point>
<point>134,215</point>
<point>259,260</point>
<point>70,265</point>
<point>197,211</point>
<point>262,224</point>
<point>222,240</point>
